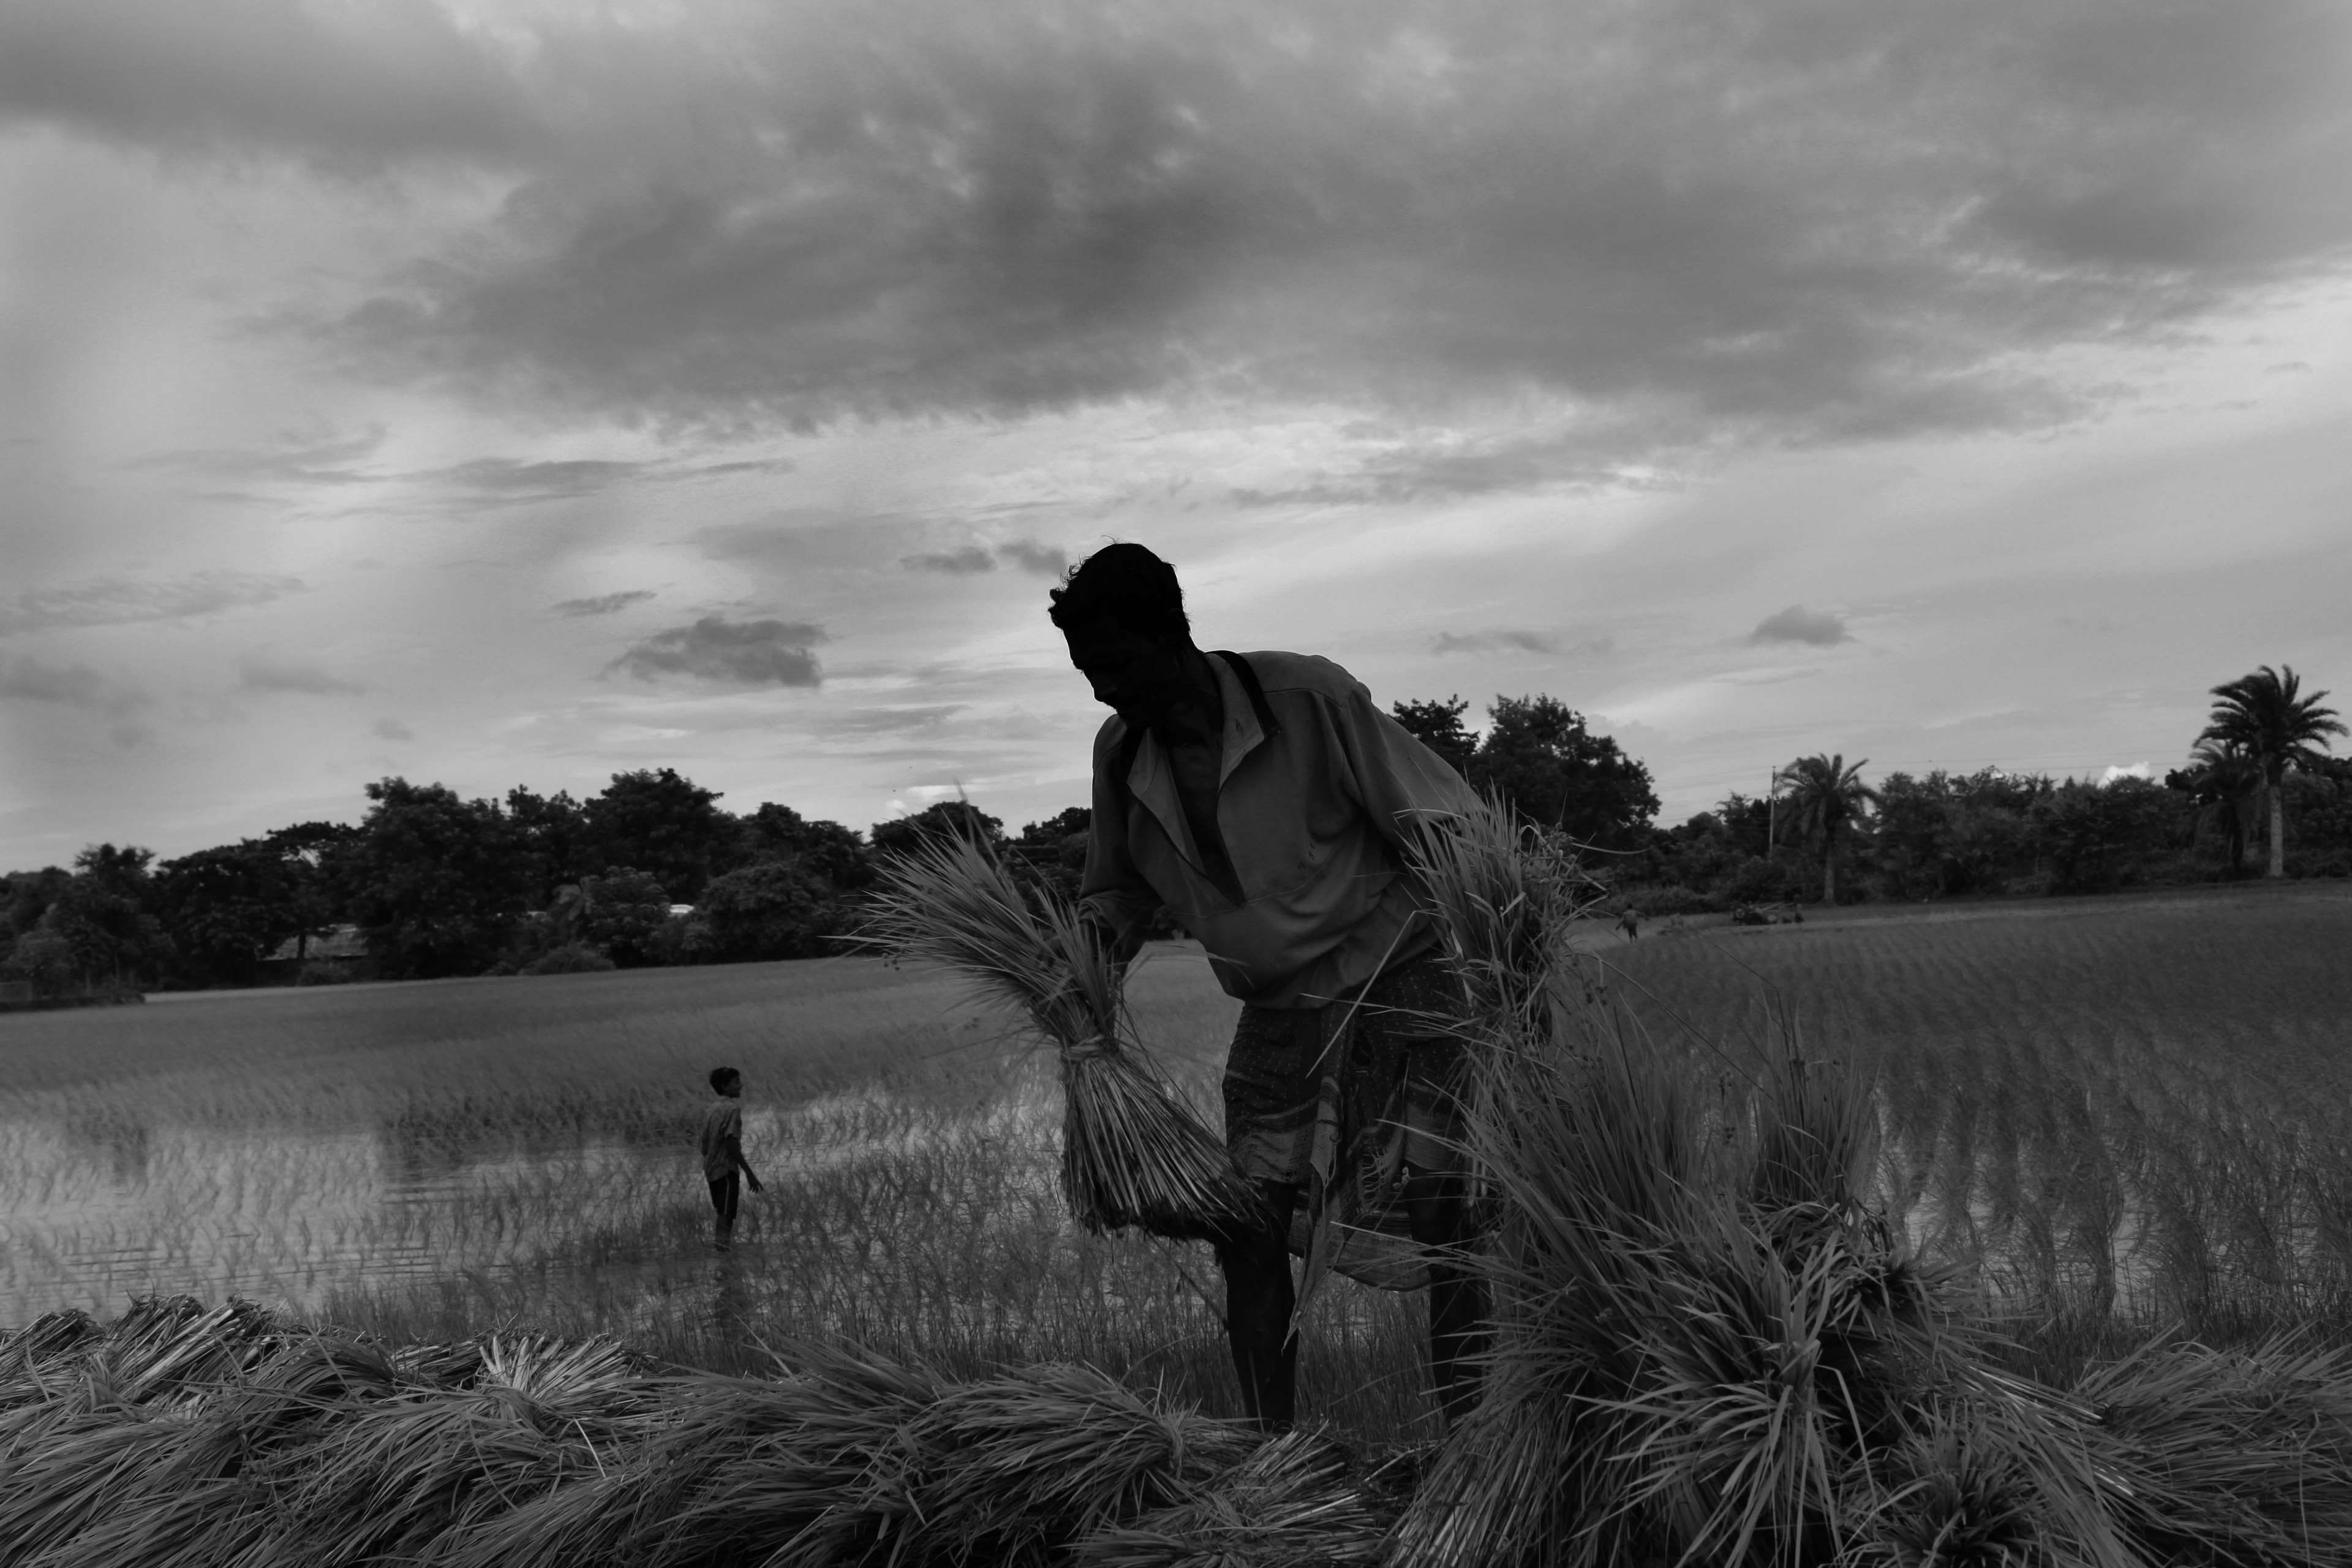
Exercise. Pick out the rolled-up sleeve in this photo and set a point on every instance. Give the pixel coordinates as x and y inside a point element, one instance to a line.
<point>1112,891</point>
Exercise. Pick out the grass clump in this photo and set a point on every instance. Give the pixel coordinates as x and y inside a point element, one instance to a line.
<point>1133,1151</point>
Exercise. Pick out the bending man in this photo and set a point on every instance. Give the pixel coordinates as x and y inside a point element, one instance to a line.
<point>1267,803</point>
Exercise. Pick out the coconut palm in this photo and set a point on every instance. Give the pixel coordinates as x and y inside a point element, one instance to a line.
<point>2226,783</point>
<point>1824,797</point>
<point>2263,715</point>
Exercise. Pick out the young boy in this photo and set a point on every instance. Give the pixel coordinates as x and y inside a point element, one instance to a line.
<point>722,1151</point>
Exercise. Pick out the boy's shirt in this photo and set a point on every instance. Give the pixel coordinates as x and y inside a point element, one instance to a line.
<point>722,1137</point>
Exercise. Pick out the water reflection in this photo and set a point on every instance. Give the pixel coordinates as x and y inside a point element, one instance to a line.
<point>95,1208</point>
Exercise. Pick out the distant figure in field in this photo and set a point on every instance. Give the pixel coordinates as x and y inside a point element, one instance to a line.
<point>1630,922</point>
<point>1269,803</point>
<point>723,1153</point>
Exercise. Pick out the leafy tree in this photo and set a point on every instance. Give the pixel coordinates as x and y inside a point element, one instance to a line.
<point>820,849</point>
<point>433,881</point>
<point>227,909</point>
<point>309,849</point>
<point>659,821</point>
<point>26,896</point>
<point>102,914</point>
<point>1054,850</point>
<point>2263,715</point>
<point>1438,726</point>
<point>773,910</point>
<point>958,818</point>
<point>2223,785</point>
<point>44,960</point>
<point>558,848</point>
<point>622,913</point>
<point>2099,836</point>
<point>1826,798</point>
<point>1538,753</point>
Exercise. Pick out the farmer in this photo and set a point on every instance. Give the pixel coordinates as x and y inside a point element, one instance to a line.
<point>723,1153</point>
<point>1268,804</point>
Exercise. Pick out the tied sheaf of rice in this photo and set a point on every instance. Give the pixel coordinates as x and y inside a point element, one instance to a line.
<point>1133,1154</point>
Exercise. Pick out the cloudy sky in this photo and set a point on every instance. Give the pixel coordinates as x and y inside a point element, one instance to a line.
<point>498,391</point>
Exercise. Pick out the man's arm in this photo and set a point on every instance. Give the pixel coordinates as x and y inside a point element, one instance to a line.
<point>735,1147</point>
<point>1112,894</point>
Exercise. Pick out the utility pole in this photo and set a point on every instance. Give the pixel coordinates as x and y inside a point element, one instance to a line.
<point>1772,800</point>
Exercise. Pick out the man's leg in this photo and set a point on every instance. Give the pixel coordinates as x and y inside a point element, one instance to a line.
<point>725,1194</point>
<point>1438,1214</point>
<point>1259,1297</point>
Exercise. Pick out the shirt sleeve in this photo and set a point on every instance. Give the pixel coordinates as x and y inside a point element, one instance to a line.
<point>1111,891</point>
<point>1402,785</point>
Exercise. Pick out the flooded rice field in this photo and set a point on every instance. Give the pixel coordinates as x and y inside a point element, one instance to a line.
<point>300,1149</point>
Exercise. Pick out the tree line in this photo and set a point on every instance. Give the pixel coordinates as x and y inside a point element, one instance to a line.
<point>653,870</point>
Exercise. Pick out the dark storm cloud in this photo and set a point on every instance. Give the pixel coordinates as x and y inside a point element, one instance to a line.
<point>1494,642</point>
<point>272,672</point>
<point>959,563</point>
<point>758,652</point>
<point>354,85</point>
<point>604,603</point>
<point>118,601</point>
<point>1847,219</point>
<point>1798,624</point>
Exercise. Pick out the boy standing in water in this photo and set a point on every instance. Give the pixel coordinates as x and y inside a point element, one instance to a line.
<point>723,1153</point>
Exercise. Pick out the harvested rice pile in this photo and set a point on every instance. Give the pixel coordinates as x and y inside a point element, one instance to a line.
<point>1710,1348</point>
<point>1133,1152</point>
<point>190,1438</point>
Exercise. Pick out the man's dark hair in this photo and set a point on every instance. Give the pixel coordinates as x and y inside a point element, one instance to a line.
<point>1126,585</point>
<point>721,1077</point>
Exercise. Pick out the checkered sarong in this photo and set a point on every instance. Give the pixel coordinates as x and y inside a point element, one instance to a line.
<point>1342,1104</point>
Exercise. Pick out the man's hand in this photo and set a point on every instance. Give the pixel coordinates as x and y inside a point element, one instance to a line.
<point>750,1179</point>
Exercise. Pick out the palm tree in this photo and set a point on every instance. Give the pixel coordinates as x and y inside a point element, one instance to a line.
<point>1824,796</point>
<point>2224,782</point>
<point>2262,714</point>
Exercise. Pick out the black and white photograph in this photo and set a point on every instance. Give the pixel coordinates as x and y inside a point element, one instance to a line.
<point>1161,783</point>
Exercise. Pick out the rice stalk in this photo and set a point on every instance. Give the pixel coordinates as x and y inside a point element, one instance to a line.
<point>1133,1151</point>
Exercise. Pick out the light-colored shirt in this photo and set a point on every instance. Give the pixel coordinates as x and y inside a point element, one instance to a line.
<point>1315,815</point>
<point>722,1137</point>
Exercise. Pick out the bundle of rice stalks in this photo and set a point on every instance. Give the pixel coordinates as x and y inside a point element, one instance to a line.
<point>780,1472</point>
<point>1012,1469</point>
<point>404,1472</point>
<point>1287,1505</point>
<point>1703,1346</point>
<point>2227,1457</point>
<point>1502,894</point>
<point>1133,1151</point>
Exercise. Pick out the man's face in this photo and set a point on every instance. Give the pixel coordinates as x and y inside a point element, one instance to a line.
<point>1138,676</point>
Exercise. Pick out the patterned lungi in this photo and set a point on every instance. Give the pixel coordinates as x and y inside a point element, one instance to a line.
<point>1341,1103</point>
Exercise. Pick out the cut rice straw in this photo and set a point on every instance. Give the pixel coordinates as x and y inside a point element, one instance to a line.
<point>1133,1151</point>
